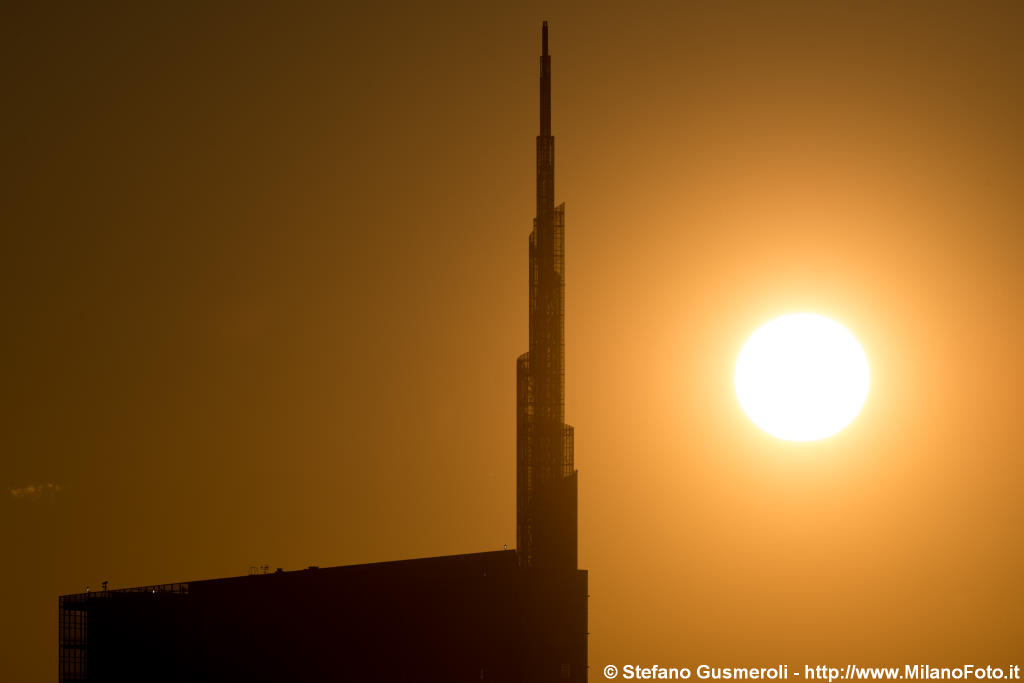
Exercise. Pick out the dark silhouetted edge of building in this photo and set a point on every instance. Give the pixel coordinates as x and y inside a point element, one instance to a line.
<point>475,617</point>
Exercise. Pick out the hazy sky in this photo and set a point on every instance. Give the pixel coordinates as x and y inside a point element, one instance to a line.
<point>265,279</point>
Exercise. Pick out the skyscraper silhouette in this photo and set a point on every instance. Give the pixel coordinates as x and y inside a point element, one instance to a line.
<point>546,478</point>
<point>514,616</point>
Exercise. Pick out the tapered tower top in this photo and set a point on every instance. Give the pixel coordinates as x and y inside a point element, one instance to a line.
<point>545,83</point>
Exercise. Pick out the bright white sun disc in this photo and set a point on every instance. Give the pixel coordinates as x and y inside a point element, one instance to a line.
<point>802,377</point>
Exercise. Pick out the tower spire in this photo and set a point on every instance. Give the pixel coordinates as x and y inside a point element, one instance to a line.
<point>545,83</point>
<point>546,476</point>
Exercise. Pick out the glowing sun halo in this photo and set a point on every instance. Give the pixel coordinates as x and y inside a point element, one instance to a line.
<point>802,377</point>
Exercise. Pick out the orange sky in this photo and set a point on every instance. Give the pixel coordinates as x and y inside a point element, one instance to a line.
<point>264,286</point>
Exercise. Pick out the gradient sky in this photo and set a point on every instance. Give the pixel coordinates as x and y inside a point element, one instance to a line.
<point>264,284</point>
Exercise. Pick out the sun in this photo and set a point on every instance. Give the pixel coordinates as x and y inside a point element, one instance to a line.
<point>802,377</point>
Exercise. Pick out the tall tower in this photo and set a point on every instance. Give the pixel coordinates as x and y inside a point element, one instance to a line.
<point>545,475</point>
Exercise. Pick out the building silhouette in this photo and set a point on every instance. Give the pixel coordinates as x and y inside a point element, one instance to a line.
<point>515,616</point>
<point>546,475</point>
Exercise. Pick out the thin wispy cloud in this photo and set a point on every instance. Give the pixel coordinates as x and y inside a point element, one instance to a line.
<point>34,490</point>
